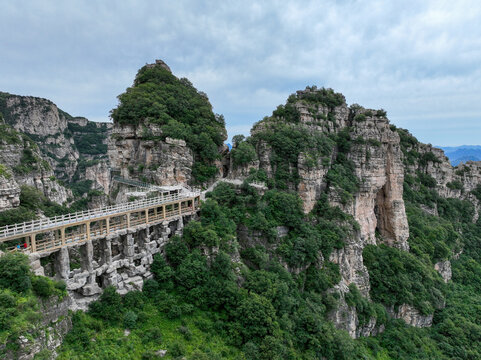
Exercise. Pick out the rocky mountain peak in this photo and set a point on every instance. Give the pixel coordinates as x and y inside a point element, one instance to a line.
<point>160,63</point>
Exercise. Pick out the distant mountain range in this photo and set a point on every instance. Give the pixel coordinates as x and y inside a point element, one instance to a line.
<point>463,153</point>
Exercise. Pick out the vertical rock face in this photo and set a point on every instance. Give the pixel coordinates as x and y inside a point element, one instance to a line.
<point>99,174</point>
<point>42,121</point>
<point>25,165</point>
<point>9,190</point>
<point>379,205</point>
<point>411,316</point>
<point>167,162</point>
<point>444,269</point>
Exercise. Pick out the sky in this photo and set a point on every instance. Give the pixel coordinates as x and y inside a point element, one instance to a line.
<point>418,60</point>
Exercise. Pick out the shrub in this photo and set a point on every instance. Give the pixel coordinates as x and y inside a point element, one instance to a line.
<point>176,349</point>
<point>257,317</point>
<point>5,172</point>
<point>130,319</point>
<point>15,272</point>
<point>108,307</point>
<point>43,286</point>
<point>153,335</point>
<point>186,333</point>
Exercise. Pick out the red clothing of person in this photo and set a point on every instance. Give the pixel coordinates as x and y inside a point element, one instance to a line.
<point>25,245</point>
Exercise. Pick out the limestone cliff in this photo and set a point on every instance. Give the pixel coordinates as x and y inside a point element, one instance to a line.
<point>167,162</point>
<point>24,164</point>
<point>318,146</point>
<point>68,144</point>
<point>349,153</point>
<point>9,189</point>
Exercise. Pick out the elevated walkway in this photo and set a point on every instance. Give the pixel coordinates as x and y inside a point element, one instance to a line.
<point>59,231</point>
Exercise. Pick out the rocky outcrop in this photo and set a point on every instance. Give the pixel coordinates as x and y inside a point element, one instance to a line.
<point>133,153</point>
<point>169,137</point>
<point>377,157</point>
<point>460,182</point>
<point>27,166</point>
<point>42,121</point>
<point>376,154</point>
<point>345,317</point>
<point>351,265</point>
<point>9,190</point>
<point>444,269</point>
<point>48,333</point>
<point>375,151</point>
<point>411,316</point>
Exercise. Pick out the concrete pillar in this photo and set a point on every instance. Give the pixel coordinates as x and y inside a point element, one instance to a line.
<point>107,225</point>
<point>147,216</point>
<point>129,246</point>
<point>87,252</point>
<point>62,263</point>
<point>163,212</point>
<point>62,235</point>
<point>91,288</point>
<point>88,230</point>
<point>33,243</point>
<point>128,220</point>
<point>180,207</point>
<point>108,251</point>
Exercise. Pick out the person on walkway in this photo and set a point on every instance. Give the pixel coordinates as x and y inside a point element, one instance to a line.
<point>25,245</point>
<point>18,247</point>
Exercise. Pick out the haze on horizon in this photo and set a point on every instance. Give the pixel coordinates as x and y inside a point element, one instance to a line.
<point>417,60</point>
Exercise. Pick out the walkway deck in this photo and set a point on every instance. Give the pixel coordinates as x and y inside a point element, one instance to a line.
<point>52,233</point>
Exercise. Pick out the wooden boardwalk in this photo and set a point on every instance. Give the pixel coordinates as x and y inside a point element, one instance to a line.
<point>53,233</point>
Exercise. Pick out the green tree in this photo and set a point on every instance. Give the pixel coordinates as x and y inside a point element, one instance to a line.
<point>15,272</point>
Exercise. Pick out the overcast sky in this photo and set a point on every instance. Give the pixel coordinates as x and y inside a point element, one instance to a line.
<point>419,60</point>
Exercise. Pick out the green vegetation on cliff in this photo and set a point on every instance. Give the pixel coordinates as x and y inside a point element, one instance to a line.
<point>158,97</point>
<point>20,291</point>
<point>195,305</point>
